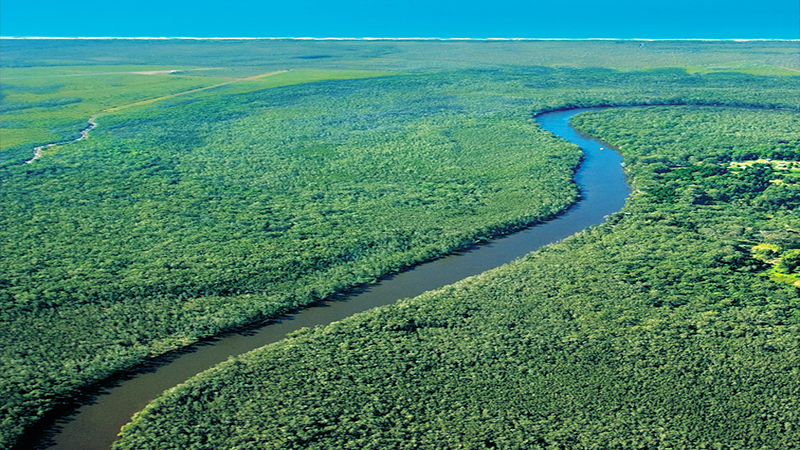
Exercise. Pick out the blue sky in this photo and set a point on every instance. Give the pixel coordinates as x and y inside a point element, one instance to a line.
<point>656,19</point>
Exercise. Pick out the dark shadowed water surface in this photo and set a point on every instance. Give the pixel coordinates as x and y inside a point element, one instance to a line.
<point>603,190</point>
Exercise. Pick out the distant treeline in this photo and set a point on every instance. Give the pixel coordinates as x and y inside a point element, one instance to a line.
<point>248,57</point>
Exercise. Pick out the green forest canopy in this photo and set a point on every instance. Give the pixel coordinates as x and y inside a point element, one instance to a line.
<point>653,330</point>
<point>190,216</point>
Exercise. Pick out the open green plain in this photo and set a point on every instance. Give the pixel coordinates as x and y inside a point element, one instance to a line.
<point>181,218</point>
<point>42,106</point>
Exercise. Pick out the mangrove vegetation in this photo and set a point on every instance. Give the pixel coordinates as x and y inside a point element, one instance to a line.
<point>674,324</point>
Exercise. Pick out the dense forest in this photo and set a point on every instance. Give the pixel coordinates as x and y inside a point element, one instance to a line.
<point>183,218</point>
<point>656,329</point>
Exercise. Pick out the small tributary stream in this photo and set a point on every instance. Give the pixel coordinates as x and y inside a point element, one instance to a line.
<point>603,190</point>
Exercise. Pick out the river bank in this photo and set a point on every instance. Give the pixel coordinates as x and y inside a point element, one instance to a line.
<point>603,191</point>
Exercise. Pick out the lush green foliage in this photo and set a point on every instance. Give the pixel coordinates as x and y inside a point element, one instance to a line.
<point>654,330</point>
<point>187,218</point>
<point>182,218</point>
<point>39,109</point>
<point>99,73</point>
<point>41,106</point>
<point>748,157</point>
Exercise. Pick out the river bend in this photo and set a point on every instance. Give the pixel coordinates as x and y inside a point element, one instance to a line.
<point>95,425</point>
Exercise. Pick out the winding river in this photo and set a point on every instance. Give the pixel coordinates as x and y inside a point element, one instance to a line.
<point>94,425</point>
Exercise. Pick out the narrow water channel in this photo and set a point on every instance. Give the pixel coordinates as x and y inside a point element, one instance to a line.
<point>603,189</point>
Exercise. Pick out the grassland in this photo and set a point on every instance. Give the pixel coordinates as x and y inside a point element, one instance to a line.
<point>181,218</point>
<point>41,106</point>
<point>41,109</point>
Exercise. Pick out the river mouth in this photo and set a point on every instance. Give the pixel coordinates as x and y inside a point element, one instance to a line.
<point>94,426</point>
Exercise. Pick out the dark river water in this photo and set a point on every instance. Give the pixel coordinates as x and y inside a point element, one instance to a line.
<point>95,425</point>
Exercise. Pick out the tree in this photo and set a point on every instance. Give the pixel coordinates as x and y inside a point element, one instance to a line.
<point>790,261</point>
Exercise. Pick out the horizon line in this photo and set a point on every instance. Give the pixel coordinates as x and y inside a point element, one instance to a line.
<point>382,38</point>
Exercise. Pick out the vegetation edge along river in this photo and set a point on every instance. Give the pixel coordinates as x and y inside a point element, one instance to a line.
<point>603,191</point>
<point>422,95</point>
<point>657,329</point>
